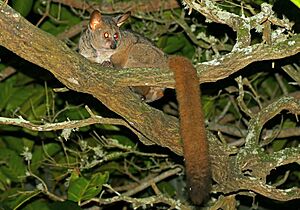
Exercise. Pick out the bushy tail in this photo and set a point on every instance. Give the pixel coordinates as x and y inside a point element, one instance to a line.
<point>192,128</point>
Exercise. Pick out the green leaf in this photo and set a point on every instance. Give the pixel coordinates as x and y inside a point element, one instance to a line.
<point>66,205</point>
<point>38,204</point>
<point>2,186</point>
<point>73,113</point>
<point>7,91</point>
<point>83,189</point>
<point>51,28</point>
<point>33,101</point>
<point>108,127</point>
<point>111,167</point>
<point>174,44</point>
<point>3,181</point>
<point>296,2</point>
<point>188,50</point>
<point>2,66</point>
<point>13,143</point>
<point>52,148</point>
<point>162,42</point>
<point>62,14</point>
<point>278,145</point>
<point>288,124</point>
<point>13,166</point>
<point>166,188</point>
<point>124,140</point>
<point>21,198</point>
<point>22,6</point>
<point>17,144</point>
<point>38,154</point>
<point>16,96</point>
<point>20,96</point>
<point>208,105</point>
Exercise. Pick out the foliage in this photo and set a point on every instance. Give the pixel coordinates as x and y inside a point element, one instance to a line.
<point>72,168</point>
<point>22,6</point>
<point>296,2</point>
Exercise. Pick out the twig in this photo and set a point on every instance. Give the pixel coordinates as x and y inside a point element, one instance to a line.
<point>141,202</point>
<point>45,188</point>
<point>72,31</point>
<point>144,185</point>
<point>65,125</point>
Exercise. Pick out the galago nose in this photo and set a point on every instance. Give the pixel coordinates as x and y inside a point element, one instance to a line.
<point>113,45</point>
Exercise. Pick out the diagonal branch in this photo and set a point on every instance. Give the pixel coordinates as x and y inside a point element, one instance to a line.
<point>77,73</point>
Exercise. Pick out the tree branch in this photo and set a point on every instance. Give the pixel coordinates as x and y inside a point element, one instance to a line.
<point>79,74</point>
<point>140,202</point>
<point>66,124</point>
<point>213,70</point>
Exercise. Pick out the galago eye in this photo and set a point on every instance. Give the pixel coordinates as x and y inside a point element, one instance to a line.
<point>106,35</point>
<point>116,36</point>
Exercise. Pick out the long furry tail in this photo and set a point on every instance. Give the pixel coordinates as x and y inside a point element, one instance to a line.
<point>192,129</point>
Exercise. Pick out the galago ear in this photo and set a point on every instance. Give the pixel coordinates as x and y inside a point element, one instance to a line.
<point>122,18</point>
<point>95,20</point>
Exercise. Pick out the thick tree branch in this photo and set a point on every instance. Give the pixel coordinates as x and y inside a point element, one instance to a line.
<point>216,69</point>
<point>79,74</point>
